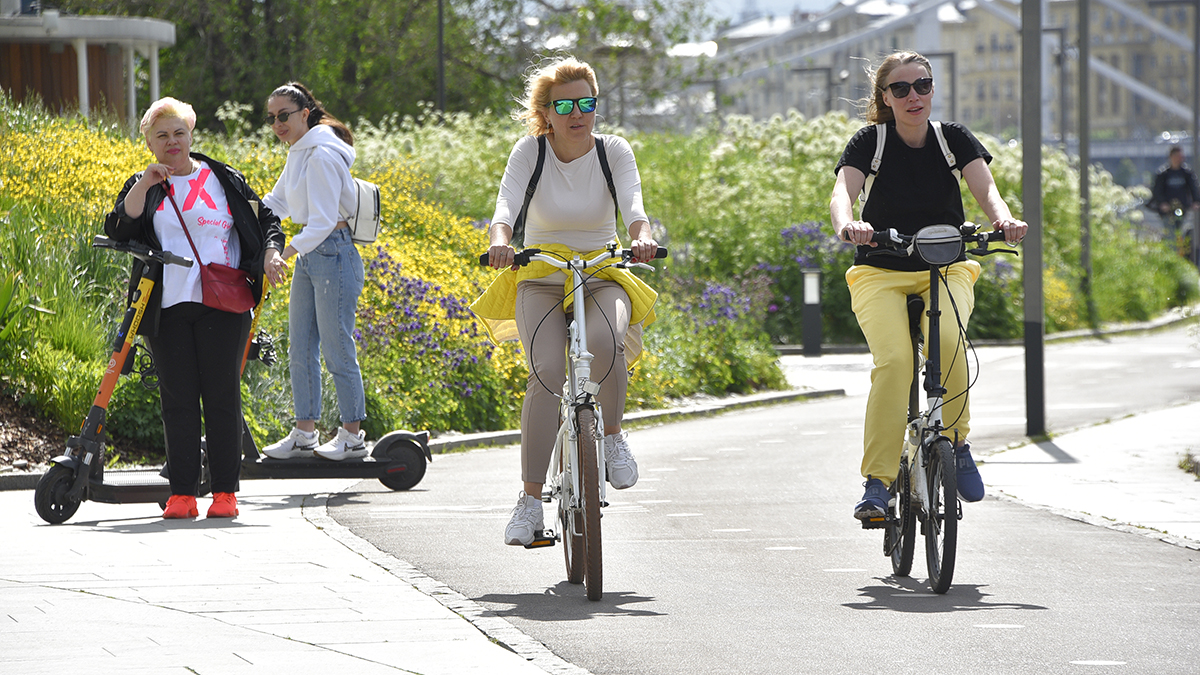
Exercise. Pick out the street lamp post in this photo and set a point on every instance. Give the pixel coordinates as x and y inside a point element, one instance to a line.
<point>1061,32</point>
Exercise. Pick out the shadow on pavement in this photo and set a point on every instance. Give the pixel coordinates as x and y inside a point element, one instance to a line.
<point>564,602</point>
<point>905,594</point>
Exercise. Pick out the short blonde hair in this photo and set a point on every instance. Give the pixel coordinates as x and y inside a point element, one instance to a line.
<point>167,107</point>
<point>537,90</point>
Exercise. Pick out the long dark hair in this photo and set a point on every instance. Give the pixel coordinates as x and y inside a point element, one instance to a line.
<point>302,97</point>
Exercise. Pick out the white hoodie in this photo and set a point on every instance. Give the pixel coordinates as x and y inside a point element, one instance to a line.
<point>315,188</point>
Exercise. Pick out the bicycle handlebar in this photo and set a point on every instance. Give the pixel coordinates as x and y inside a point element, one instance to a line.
<point>523,258</point>
<point>141,251</point>
<point>894,243</point>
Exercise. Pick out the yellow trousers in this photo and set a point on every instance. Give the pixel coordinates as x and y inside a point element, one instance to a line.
<point>878,298</point>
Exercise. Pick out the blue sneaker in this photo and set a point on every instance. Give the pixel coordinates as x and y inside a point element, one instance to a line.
<point>875,500</point>
<point>970,485</point>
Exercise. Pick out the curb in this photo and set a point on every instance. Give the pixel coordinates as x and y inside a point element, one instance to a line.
<point>29,480</point>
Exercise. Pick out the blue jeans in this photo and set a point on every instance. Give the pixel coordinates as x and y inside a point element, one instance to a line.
<point>326,284</point>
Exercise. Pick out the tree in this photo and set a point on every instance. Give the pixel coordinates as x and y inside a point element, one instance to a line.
<point>371,58</point>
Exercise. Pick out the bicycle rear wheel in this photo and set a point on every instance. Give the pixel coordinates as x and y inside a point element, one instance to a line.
<point>590,501</point>
<point>941,518</point>
<point>899,539</point>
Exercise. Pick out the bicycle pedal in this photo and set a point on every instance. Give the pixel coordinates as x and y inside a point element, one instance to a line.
<point>543,539</point>
<point>877,523</point>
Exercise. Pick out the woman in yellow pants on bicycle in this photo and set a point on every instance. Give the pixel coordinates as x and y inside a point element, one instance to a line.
<point>912,180</point>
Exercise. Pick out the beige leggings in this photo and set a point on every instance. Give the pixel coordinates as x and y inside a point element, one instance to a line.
<point>547,361</point>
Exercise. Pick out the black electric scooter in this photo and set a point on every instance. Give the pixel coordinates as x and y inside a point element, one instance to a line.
<point>397,460</point>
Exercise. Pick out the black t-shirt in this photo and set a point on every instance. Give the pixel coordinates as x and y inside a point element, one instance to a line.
<point>914,187</point>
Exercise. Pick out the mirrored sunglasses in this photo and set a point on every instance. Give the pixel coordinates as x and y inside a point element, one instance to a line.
<point>900,89</point>
<point>564,106</point>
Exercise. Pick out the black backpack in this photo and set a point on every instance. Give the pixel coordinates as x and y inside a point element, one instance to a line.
<point>518,236</point>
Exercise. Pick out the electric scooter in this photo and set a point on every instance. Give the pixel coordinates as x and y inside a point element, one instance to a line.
<point>397,460</point>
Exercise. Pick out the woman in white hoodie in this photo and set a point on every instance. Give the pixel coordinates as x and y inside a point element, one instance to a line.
<point>317,192</point>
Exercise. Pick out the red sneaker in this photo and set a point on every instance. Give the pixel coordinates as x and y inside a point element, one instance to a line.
<point>224,505</point>
<point>181,506</point>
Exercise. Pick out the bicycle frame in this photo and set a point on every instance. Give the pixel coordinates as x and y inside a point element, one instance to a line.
<point>578,391</point>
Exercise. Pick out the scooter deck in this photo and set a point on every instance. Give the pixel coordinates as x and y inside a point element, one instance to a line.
<point>365,467</point>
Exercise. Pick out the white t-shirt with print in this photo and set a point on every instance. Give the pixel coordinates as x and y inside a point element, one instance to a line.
<point>206,212</point>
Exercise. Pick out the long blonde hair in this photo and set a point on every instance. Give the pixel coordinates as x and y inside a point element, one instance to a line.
<point>537,90</point>
<point>878,112</point>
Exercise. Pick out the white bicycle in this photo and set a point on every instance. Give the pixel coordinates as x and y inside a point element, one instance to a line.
<point>576,477</point>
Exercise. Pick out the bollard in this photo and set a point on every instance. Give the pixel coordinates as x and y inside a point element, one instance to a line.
<point>810,317</point>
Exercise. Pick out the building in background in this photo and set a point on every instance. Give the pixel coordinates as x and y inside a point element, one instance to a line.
<point>1142,60</point>
<point>83,63</point>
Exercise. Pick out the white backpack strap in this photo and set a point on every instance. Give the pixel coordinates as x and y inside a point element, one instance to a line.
<point>941,139</point>
<point>880,140</point>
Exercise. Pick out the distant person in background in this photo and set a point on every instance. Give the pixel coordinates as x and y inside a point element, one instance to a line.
<point>1175,187</point>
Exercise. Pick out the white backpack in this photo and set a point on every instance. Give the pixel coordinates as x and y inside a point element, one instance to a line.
<point>881,139</point>
<point>365,222</point>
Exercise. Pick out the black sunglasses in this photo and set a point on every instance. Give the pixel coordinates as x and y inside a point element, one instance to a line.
<point>900,89</point>
<point>564,106</point>
<point>283,116</point>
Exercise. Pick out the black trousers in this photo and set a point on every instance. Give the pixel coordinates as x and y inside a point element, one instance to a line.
<point>198,353</point>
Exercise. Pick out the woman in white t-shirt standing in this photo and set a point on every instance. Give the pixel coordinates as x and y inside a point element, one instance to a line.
<point>317,192</point>
<point>571,211</point>
<point>197,349</point>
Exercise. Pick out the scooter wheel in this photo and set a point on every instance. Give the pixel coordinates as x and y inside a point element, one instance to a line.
<point>50,497</point>
<point>411,455</point>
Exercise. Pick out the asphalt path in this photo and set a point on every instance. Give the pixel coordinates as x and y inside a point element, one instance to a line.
<point>736,551</point>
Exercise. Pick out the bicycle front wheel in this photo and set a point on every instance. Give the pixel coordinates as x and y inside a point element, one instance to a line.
<point>590,501</point>
<point>568,524</point>
<point>941,518</point>
<point>900,538</point>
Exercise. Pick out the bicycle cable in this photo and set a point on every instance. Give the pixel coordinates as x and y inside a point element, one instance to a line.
<point>576,292</point>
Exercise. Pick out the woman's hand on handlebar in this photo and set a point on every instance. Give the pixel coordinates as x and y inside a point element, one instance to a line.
<point>1014,230</point>
<point>644,250</point>
<point>858,233</point>
<point>501,256</point>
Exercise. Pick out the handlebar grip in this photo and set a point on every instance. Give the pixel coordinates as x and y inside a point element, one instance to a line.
<point>661,252</point>
<point>172,259</point>
<point>483,259</point>
<point>100,241</point>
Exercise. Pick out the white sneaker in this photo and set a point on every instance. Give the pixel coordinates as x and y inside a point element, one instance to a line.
<point>526,521</point>
<point>344,446</point>
<point>295,445</point>
<point>619,461</point>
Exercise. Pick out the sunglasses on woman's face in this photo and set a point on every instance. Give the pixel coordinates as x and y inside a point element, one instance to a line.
<point>564,106</point>
<point>900,89</point>
<point>283,117</point>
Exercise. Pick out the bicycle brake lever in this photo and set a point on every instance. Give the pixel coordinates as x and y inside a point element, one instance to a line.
<point>988,251</point>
